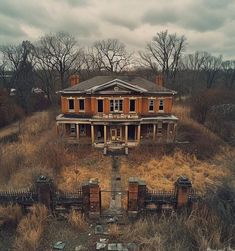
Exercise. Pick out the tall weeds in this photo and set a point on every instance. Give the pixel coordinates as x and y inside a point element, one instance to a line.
<point>30,229</point>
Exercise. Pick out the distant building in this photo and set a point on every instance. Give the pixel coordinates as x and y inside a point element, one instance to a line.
<point>122,110</point>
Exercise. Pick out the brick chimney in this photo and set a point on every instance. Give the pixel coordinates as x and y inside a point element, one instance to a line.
<point>160,80</point>
<point>74,80</point>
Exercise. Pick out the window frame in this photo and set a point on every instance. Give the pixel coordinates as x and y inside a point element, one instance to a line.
<point>100,100</point>
<point>151,100</point>
<point>71,99</point>
<point>132,100</point>
<point>161,105</point>
<point>79,106</point>
<point>115,105</point>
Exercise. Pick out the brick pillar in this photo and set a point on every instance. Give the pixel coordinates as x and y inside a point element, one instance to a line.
<point>44,188</point>
<point>95,200</point>
<point>142,189</point>
<point>182,187</point>
<point>133,189</point>
<point>86,197</point>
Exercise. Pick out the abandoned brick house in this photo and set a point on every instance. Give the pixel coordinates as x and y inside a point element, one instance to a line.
<point>126,110</point>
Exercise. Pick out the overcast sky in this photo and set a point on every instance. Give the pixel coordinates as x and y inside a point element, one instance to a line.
<point>207,24</point>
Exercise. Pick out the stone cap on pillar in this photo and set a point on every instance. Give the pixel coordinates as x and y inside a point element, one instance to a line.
<point>94,181</point>
<point>44,179</point>
<point>133,180</point>
<point>183,181</point>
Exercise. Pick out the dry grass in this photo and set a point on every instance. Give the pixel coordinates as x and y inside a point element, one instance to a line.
<point>11,214</point>
<point>162,172</point>
<point>77,221</point>
<point>30,229</point>
<point>78,171</point>
<point>158,234</point>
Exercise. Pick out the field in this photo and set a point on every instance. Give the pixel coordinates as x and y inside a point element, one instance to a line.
<point>200,155</point>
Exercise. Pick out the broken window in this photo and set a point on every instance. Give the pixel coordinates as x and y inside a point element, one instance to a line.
<point>132,105</point>
<point>151,105</point>
<point>82,104</point>
<point>100,105</point>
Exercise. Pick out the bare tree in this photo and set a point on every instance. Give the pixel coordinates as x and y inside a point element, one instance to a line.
<point>164,52</point>
<point>110,55</point>
<point>20,62</point>
<point>228,73</point>
<point>61,52</point>
<point>191,66</point>
<point>211,67</point>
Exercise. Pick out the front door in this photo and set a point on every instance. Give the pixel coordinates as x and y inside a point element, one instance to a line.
<point>116,134</point>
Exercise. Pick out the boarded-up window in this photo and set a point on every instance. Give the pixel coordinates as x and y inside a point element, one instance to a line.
<point>132,105</point>
<point>100,105</point>
<point>82,104</point>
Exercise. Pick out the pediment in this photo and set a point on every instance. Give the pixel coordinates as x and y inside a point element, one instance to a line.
<point>117,86</point>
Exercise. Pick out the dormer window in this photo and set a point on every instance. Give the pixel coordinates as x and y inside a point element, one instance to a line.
<point>151,105</point>
<point>71,105</point>
<point>161,105</point>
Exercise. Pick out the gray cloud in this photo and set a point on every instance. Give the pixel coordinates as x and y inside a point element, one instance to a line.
<point>207,24</point>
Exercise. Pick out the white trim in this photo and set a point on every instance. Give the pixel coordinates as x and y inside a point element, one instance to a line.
<point>152,98</point>
<point>71,98</point>
<point>119,83</point>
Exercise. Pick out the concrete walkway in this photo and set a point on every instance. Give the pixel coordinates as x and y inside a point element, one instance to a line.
<point>115,206</point>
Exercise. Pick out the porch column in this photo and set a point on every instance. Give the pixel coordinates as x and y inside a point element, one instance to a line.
<point>77,128</point>
<point>92,134</point>
<point>105,134</point>
<point>154,132</point>
<point>138,134</point>
<point>126,134</point>
<point>57,128</point>
<point>168,136</point>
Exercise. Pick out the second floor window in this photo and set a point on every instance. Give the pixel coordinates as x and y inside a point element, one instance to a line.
<point>100,105</point>
<point>161,105</point>
<point>116,105</point>
<point>81,104</point>
<point>132,105</point>
<point>151,105</point>
<point>71,104</point>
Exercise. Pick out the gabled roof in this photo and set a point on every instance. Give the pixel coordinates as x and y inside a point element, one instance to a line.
<point>131,83</point>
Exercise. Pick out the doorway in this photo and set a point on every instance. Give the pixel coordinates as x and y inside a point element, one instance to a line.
<point>131,132</point>
<point>116,134</point>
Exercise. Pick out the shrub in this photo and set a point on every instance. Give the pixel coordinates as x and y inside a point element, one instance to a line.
<point>30,229</point>
<point>11,214</point>
<point>77,221</point>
